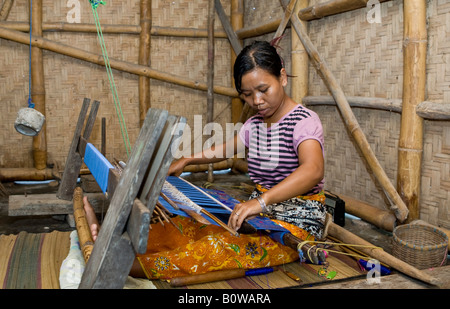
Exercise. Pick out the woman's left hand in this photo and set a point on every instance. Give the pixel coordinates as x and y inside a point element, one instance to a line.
<point>242,211</point>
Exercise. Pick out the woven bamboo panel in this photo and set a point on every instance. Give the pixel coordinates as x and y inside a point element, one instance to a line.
<point>68,80</point>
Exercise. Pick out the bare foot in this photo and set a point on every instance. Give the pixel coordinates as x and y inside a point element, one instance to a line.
<point>91,218</point>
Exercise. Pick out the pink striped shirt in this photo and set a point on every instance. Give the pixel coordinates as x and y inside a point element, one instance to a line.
<point>273,152</point>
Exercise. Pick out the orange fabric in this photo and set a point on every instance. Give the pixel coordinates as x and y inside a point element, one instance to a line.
<point>204,248</point>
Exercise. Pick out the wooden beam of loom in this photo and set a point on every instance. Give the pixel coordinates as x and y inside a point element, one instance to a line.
<point>143,176</point>
<point>397,204</point>
<point>83,228</point>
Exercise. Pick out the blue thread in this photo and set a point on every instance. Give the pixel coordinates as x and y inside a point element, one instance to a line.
<point>259,271</point>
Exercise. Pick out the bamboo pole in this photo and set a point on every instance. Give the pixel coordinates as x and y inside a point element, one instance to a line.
<point>210,75</point>
<point>414,86</point>
<point>237,22</point>
<point>13,174</point>
<point>290,5</point>
<point>38,88</point>
<point>144,58</point>
<point>83,229</point>
<point>299,62</point>
<point>128,67</point>
<point>397,204</point>
<point>332,7</point>
<point>379,217</point>
<point>112,28</point>
<point>258,29</point>
<point>379,254</point>
<point>426,109</point>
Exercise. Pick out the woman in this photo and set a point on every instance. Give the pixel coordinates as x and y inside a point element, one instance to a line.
<point>285,146</point>
<point>285,160</point>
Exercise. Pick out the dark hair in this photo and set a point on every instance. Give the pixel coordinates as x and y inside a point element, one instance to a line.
<point>259,54</point>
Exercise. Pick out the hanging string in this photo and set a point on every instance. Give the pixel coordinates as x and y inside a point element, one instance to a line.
<point>30,103</point>
<point>123,129</point>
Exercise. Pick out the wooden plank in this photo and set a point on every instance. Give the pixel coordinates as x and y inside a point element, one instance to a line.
<point>49,204</point>
<point>102,271</point>
<point>162,160</point>
<point>71,170</point>
<point>232,36</point>
<point>138,226</point>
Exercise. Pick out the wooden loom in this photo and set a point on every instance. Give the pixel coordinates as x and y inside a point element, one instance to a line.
<point>125,228</point>
<point>133,197</point>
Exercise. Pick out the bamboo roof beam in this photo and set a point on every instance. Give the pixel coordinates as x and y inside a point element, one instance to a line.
<point>259,29</point>
<point>332,7</point>
<point>117,29</point>
<point>426,109</point>
<point>397,204</point>
<point>414,87</point>
<point>124,66</point>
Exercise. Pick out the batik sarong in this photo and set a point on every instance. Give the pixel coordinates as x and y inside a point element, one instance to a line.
<point>305,211</point>
<point>191,247</point>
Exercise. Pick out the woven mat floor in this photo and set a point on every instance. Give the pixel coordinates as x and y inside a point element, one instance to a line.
<point>32,261</point>
<point>290,275</point>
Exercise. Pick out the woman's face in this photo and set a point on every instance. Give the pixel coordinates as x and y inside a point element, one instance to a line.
<point>263,91</point>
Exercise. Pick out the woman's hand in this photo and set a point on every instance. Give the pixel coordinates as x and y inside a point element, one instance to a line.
<point>242,211</point>
<point>177,167</point>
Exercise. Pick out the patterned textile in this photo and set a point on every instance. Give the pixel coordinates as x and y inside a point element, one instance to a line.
<point>273,151</point>
<point>305,211</point>
<point>204,248</point>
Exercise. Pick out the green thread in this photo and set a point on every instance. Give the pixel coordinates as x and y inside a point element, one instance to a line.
<point>123,128</point>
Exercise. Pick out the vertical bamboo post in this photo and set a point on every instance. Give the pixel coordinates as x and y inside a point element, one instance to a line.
<point>144,57</point>
<point>299,61</point>
<point>237,22</point>
<point>210,76</point>
<point>38,87</point>
<point>414,83</point>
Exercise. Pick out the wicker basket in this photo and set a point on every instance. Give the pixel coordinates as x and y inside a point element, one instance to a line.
<point>419,245</point>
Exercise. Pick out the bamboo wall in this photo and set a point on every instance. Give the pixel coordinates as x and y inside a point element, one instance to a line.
<point>366,59</point>
<point>68,80</point>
